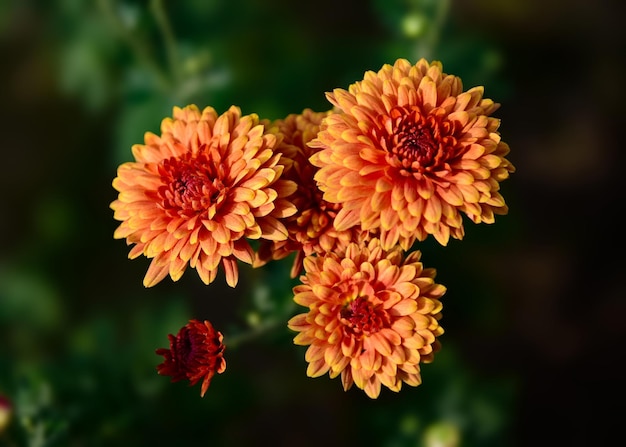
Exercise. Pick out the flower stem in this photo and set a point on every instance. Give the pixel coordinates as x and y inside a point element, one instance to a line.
<point>137,46</point>
<point>266,326</point>
<point>426,47</point>
<point>160,16</point>
<point>235,341</point>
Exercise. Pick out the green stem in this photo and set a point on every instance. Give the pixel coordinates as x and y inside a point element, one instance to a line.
<point>235,341</point>
<point>264,328</point>
<point>426,47</point>
<point>138,47</point>
<point>158,11</point>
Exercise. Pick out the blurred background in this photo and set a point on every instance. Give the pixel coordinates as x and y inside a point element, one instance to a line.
<point>535,309</point>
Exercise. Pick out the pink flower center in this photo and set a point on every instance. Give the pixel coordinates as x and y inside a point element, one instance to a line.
<point>416,143</point>
<point>190,185</point>
<point>361,318</point>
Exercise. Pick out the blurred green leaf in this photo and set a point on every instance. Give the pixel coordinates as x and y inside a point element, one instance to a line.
<point>26,297</point>
<point>135,119</point>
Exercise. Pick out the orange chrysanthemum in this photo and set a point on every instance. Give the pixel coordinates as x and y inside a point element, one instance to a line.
<point>408,152</point>
<point>196,353</point>
<point>373,316</point>
<point>196,194</point>
<point>311,230</point>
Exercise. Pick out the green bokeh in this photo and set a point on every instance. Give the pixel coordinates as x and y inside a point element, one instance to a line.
<point>83,82</point>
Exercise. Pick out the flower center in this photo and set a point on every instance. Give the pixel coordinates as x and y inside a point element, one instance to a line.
<point>185,348</point>
<point>416,143</point>
<point>193,347</point>
<point>190,185</point>
<point>361,318</point>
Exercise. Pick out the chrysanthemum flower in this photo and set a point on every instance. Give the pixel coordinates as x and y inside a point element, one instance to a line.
<point>373,316</point>
<point>198,192</point>
<point>311,229</point>
<point>196,353</point>
<point>409,152</point>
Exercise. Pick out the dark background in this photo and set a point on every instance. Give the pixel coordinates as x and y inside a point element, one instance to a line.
<point>534,313</point>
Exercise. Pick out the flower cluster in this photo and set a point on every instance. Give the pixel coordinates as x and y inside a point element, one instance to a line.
<point>403,154</point>
<point>310,230</point>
